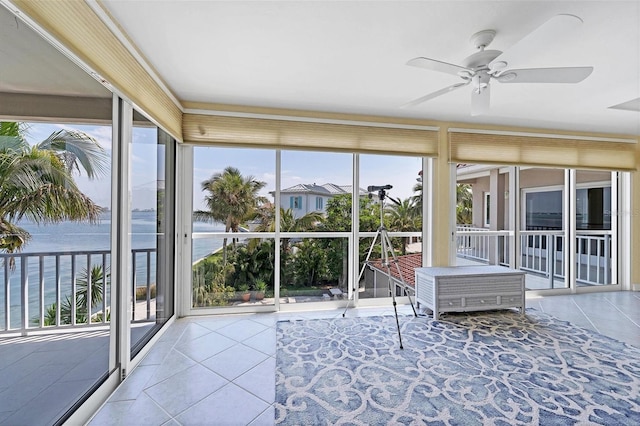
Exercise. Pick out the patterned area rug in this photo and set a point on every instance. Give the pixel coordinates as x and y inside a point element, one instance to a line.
<point>491,368</point>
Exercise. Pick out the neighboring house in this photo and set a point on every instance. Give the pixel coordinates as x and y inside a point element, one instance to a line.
<point>542,198</point>
<point>551,207</point>
<point>306,198</point>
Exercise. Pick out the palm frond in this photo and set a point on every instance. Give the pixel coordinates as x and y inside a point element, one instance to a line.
<point>12,238</point>
<point>13,129</point>
<point>77,149</point>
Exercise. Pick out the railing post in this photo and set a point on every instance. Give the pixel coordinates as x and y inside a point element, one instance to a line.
<point>104,287</point>
<point>578,262</point>
<point>89,295</point>
<point>134,275</point>
<point>588,254</point>
<point>24,293</point>
<point>73,289</point>
<point>149,284</point>
<point>7,295</point>
<point>41,282</point>
<point>607,241</point>
<point>58,296</point>
<point>551,254</point>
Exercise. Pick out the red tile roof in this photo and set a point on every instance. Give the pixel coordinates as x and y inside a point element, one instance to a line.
<point>407,265</point>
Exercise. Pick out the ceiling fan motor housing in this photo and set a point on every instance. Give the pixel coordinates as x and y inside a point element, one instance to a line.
<point>481,59</point>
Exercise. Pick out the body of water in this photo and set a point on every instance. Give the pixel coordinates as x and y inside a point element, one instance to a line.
<point>82,237</point>
<point>71,236</point>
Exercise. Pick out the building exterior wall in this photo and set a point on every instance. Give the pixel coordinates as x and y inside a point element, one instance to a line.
<point>306,203</point>
<point>537,178</point>
<point>480,187</point>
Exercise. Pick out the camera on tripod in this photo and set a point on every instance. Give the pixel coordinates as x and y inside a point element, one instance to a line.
<point>379,189</point>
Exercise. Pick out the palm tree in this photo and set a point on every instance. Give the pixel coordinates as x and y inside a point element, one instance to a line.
<point>36,182</point>
<point>402,217</point>
<point>231,199</point>
<point>416,199</point>
<point>99,280</point>
<point>288,222</point>
<point>464,203</point>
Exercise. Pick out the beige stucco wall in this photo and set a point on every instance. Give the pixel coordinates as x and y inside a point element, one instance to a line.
<point>536,178</point>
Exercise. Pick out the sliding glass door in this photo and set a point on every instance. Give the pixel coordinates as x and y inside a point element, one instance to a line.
<point>233,251</point>
<point>152,230</point>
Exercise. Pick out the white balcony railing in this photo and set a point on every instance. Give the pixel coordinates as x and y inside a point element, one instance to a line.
<point>483,245</point>
<point>42,290</point>
<point>542,252</point>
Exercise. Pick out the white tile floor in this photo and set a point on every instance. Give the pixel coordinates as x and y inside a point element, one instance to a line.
<point>220,370</point>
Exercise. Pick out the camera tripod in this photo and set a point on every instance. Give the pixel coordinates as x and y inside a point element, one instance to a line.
<point>388,258</point>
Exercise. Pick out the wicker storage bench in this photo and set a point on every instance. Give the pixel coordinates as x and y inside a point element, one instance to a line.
<point>469,288</point>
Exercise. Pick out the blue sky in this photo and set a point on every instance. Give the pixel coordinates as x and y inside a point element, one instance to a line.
<point>307,167</point>
<point>297,167</point>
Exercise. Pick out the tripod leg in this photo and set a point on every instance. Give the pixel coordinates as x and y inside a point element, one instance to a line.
<point>364,265</point>
<point>386,249</point>
<point>399,271</point>
<point>395,309</point>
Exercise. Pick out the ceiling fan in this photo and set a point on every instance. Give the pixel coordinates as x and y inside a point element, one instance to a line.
<point>480,68</point>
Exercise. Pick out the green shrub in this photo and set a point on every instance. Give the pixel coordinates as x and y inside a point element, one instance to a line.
<point>141,292</point>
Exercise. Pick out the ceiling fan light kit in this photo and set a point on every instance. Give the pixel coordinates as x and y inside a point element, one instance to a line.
<point>480,67</point>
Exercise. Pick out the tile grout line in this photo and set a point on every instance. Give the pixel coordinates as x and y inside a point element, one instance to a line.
<point>622,313</point>
<point>585,315</point>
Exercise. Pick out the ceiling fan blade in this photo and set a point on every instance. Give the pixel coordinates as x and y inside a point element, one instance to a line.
<point>547,34</point>
<point>480,101</point>
<point>546,75</point>
<point>434,94</point>
<point>434,65</point>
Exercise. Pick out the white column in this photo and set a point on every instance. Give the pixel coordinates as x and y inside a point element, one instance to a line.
<point>514,217</point>
<point>427,202</point>
<point>615,223</point>
<point>184,228</point>
<point>441,180</point>
<point>569,246</point>
<point>276,246</point>
<point>624,213</point>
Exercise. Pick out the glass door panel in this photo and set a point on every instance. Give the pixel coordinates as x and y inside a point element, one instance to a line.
<point>54,273</point>
<point>542,236</point>
<point>233,255</point>
<point>315,226</point>
<point>152,255</point>
<point>596,240</point>
<point>393,184</point>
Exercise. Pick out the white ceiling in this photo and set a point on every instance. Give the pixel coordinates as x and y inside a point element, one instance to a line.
<point>350,56</point>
